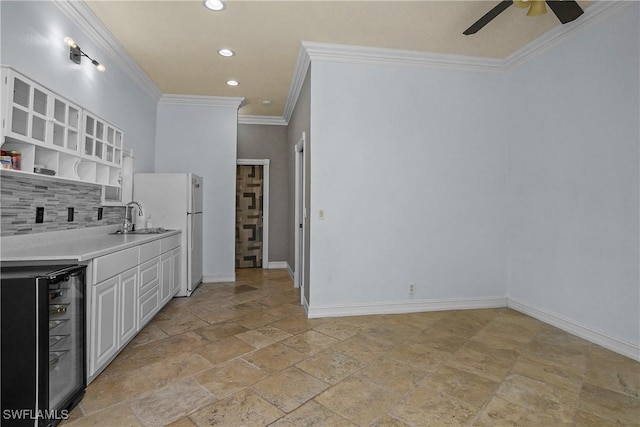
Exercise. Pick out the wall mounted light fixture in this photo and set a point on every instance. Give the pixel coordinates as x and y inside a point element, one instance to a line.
<point>76,54</point>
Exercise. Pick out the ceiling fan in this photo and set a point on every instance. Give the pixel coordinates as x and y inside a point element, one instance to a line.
<point>565,10</point>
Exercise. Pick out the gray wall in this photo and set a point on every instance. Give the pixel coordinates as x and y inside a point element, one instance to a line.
<point>299,122</point>
<point>200,138</point>
<point>573,178</point>
<point>270,142</point>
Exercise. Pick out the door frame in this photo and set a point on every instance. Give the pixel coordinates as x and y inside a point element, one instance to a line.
<point>300,215</point>
<point>265,203</point>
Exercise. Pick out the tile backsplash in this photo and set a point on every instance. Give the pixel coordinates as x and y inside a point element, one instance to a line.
<point>20,196</point>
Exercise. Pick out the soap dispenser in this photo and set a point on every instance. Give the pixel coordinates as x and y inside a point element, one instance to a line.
<point>149,224</point>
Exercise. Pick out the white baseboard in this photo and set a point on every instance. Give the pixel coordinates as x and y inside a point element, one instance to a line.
<point>219,278</point>
<point>568,325</point>
<point>400,307</point>
<point>291,274</point>
<point>277,264</point>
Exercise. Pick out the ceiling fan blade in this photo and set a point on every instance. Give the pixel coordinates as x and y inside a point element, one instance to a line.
<point>501,7</point>
<point>565,10</point>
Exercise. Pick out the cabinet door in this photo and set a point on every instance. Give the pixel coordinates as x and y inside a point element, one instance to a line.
<point>128,305</point>
<point>166,277</point>
<point>104,322</point>
<point>176,263</point>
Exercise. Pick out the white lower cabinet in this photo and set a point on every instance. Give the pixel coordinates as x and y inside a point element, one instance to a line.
<point>129,288</point>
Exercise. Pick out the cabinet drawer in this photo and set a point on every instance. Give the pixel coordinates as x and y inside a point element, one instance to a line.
<point>149,250</point>
<point>149,275</point>
<point>171,242</point>
<point>115,263</point>
<point>148,305</point>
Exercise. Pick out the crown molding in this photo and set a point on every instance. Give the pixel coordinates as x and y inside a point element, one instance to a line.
<point>261,120</point>
<point>299,74</point>
<point>383,56</point>
<point>202,101</point>
<point>596,12</point>
<point>311,51</point>
<point>83,17</point>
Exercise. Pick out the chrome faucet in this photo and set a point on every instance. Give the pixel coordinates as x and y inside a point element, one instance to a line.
<point>127,227</point>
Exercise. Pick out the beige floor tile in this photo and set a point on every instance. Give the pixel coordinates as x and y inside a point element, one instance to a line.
<point>358,400</point>
<point>264,336</point>
<point>585,419</point>
<point>274,358</point>
<point>425,407</point>
<point>500,412</point>
<point>312,414</point>
<point>362,348</point>
<point>613,371</point>
<point>389,421</point>
<point>331,366</point>
<point>253,321</point>
<point>441,340</point>
<point>229,378</point>
<point>493,367</point>
<point>290,388</point>
<point>179,324</point>
<point>611,405</point>
<point>171,403</point>
<point>119,415</point>
<point>419,355</point>
<point>226,349</point>
<point>339,329</point>
<point>310,342</point>
<point>149,334</point>
<point>481,363</point>
<point>462,385</point>
<point>539,397</point>
<point>244,408</point>
<point>222,330</point>
<point>392,374</point>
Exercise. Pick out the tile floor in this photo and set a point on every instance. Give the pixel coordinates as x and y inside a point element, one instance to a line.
<point>244,354</point>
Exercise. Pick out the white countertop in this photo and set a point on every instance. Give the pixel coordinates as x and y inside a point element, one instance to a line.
<point>71,245</point>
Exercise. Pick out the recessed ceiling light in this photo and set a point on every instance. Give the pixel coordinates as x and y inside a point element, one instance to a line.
<point>215,5</point>
<point>266,102</point>
<point>233,82</point>
<point>226,52</point>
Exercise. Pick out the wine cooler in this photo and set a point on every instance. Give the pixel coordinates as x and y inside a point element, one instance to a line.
<point>43,345</point>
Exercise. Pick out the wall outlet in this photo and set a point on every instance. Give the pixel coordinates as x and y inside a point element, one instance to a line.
<point>412,288</point>
<point>39,215</point>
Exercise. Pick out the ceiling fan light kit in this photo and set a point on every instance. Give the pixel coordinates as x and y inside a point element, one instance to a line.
<point>565,10</point>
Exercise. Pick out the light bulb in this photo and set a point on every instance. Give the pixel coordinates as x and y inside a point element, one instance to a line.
<point>215,5</point>
<point>70,42</point>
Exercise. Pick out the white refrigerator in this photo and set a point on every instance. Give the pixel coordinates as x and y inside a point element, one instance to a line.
<point>174,201</point>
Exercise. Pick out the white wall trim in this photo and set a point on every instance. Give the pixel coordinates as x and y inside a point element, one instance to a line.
<point>261,120</point>
<point>559,34</point>
<point>399,307</point>
<point>278,265</point>
<point>84,18</point>
<point>297,81</point>
<point>290,270</point>
<point>574,328</point>
<point>384,56</point>
<point>311,51</point>
<point>202,101</point>
<point>265,203</point>
<point>219,278</point>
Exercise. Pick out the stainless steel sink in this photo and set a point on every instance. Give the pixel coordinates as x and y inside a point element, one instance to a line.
<point>156,230</point>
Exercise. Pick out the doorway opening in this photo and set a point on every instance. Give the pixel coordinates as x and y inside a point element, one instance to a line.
<point>300,218</point>
<point>252,214</point>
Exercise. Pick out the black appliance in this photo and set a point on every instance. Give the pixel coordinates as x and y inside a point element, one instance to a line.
<point>43,349</point>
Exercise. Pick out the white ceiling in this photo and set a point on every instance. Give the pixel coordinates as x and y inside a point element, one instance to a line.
<point>176,42</point>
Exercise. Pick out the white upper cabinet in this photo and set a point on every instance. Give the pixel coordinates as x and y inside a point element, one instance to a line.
<point>56,137</point>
